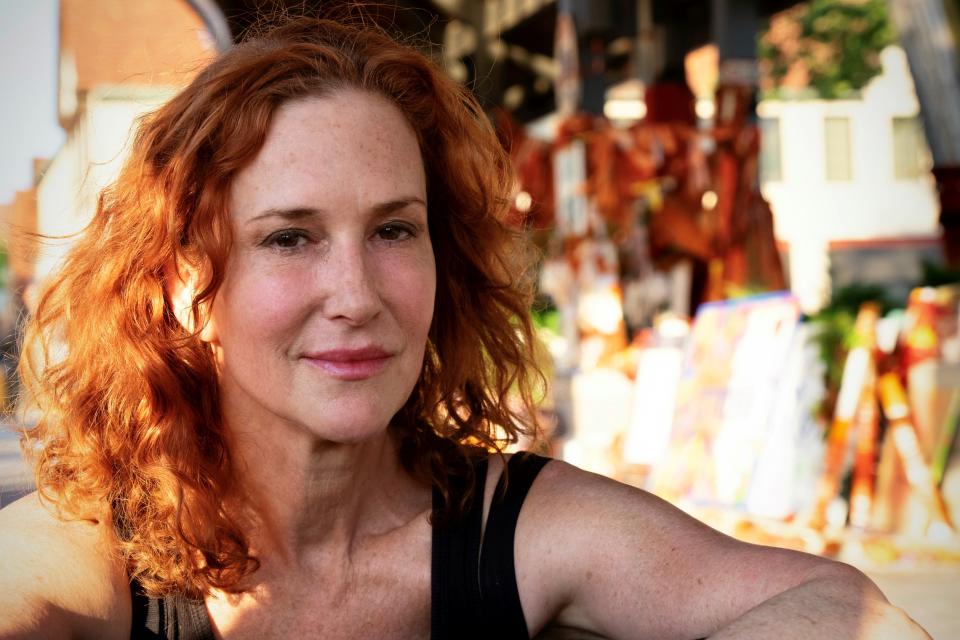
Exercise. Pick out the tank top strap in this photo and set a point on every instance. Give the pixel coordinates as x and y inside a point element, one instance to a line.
<point>474,589</point>
<point>173,617</point>
<point>498,578</point>
<point>455,592</point>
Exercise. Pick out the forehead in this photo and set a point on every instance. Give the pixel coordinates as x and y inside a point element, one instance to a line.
<point>348,148</point>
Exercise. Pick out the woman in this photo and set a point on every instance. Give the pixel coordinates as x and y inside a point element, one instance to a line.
<point>272,371</point>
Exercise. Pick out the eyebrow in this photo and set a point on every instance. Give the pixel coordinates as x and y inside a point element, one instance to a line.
<point>299,213</point>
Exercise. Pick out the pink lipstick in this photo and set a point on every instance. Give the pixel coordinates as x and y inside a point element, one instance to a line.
<point>350,364</point>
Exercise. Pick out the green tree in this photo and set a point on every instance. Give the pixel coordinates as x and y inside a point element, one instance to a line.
<point>834,45</point>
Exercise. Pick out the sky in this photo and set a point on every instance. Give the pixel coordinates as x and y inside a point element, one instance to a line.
<point>28,81</point>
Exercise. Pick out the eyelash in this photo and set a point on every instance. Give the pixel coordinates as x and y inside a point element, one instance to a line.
<point>273,240</point>
<point>407,231</point>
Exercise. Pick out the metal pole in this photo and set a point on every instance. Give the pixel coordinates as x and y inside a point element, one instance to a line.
<point>932,53</point>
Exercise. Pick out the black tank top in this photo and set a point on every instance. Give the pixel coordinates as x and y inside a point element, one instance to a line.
<point>473,584</point>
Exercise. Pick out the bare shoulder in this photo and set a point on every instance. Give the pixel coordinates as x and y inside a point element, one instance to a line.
<point>603,509</point>
<point>598,555</point>
<point>59,578</point>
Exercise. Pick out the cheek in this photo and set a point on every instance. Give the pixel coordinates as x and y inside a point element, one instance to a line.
<point>257,303</point>
<point>410,290</point>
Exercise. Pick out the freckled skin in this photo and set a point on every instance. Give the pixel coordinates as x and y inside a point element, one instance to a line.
<point>347,286</point>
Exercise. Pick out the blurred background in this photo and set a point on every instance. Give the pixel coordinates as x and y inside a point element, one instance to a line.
<point>749,219</point>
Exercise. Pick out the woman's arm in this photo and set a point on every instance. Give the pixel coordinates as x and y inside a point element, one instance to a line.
<point>597,555</point>
<point>58,579</point>
<point>836,601</point>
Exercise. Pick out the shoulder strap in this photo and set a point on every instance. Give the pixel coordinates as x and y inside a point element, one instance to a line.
<point>455,592</point>
<point>172,617</point>
<point>147,619</point>
<point>498,578</point>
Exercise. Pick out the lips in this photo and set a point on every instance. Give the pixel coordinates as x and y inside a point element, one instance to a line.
<point>350,364</point>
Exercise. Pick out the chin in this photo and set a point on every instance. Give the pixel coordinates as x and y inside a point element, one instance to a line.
<point>349,428</point>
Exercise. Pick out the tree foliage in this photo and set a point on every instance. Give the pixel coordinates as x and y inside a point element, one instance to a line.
<point>831,46</point>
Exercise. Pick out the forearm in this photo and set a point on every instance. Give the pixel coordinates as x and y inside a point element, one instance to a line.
<point>836,602</point>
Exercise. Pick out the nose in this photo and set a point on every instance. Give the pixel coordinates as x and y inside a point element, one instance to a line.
<point>351,286</point>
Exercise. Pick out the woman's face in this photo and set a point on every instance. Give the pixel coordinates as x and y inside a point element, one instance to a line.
<point>323,315</point>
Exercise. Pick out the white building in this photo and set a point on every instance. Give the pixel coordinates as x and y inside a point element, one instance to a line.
<point>850,186</point>
<point>90,160</point>
<point>118,60</point>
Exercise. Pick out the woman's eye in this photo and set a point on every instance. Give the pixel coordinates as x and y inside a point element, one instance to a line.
<point>286,239</point>
<point>394,231</point>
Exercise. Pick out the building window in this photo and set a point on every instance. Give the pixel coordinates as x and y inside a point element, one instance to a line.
<point>771,155</point>
<point>838,149</point>
<point>910,154</point>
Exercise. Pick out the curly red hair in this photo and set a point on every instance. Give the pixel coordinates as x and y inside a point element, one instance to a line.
<point>130,404</point>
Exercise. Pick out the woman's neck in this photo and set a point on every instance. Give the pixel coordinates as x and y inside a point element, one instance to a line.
<point>310,495</point>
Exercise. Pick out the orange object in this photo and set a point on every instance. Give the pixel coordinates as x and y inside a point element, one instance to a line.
<point>866,427</point>
<point>893,399</point>
<point>920,358</point>
<point>857,370</point>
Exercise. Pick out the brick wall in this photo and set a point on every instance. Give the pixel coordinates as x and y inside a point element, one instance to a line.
<point>142,42</point>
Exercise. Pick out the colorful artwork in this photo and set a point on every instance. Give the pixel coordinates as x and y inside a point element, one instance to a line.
<point>739,401</point>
